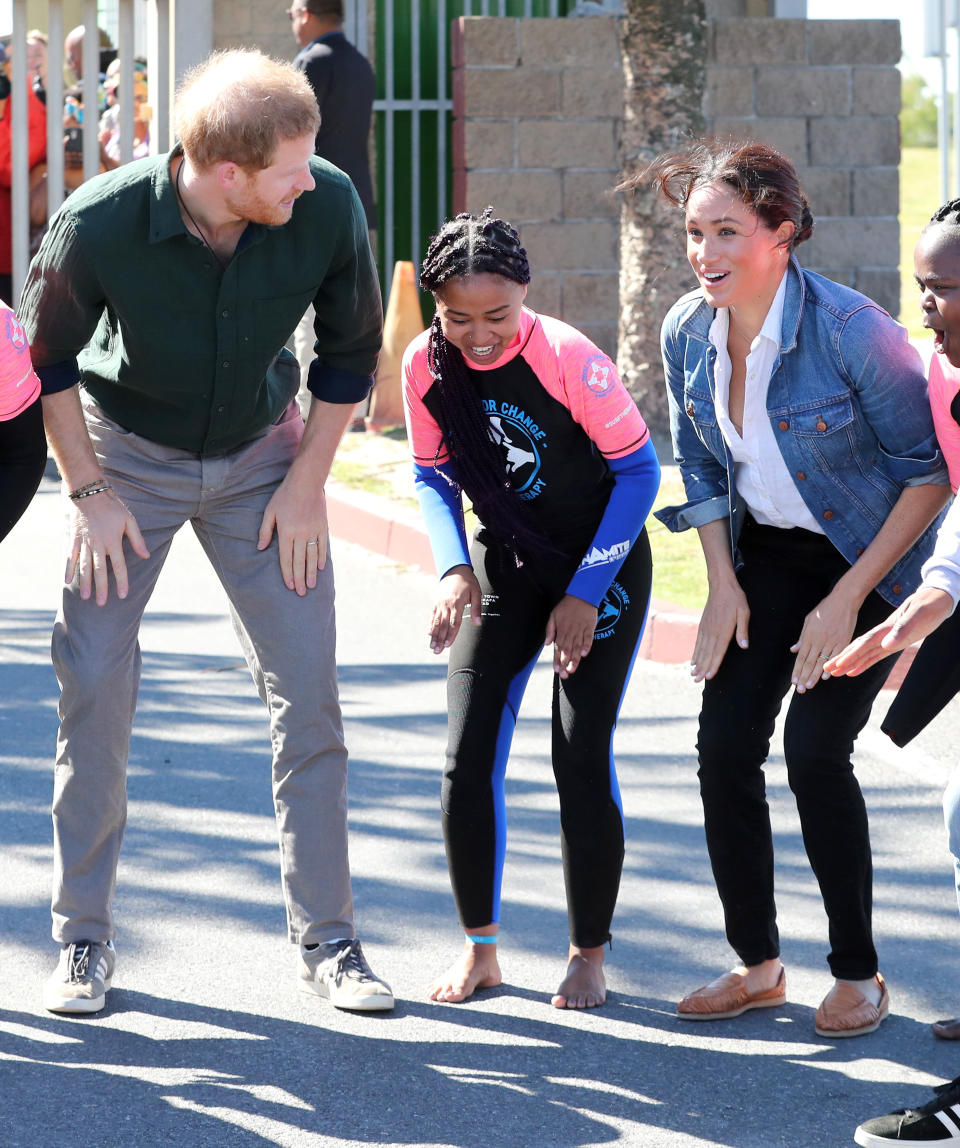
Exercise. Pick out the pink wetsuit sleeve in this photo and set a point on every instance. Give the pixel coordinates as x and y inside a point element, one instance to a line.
<point>19,385</point>
<point>944,383</point>
<point>587,383</point>
<point>423,434</point>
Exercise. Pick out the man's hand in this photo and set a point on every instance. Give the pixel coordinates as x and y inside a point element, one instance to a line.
<point>298,513</point>
<point>298,508</point>
<point>97,524</point>
<point>95,532</point>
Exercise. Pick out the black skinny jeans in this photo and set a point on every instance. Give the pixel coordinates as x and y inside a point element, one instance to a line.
<point>23,455</point>
<point>785,574</point>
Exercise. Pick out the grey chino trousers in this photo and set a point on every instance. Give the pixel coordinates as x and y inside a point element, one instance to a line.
<point>289,644</point>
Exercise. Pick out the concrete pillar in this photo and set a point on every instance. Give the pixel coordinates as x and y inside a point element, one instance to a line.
<point>193,34</point>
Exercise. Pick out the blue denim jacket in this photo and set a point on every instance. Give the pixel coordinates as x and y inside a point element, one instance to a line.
<point>847,402</point>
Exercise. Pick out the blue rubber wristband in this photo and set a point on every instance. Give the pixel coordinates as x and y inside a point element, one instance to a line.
<point>475,940</point>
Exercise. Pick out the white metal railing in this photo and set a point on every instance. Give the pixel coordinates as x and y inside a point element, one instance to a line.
<point>940,16</point>
<point>178,33</point>
<point>153,22</point>
<point>19,157</point>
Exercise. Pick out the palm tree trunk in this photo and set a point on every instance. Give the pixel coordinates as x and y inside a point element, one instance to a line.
<point>664,49</point>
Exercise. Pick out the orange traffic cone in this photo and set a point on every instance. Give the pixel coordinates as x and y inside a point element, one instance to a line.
<point>402,323</point>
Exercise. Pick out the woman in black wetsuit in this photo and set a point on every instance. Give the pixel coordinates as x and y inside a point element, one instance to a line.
<point>530,419</point>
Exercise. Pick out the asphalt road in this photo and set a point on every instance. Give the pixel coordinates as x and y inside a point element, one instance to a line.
<point>205,1040</point>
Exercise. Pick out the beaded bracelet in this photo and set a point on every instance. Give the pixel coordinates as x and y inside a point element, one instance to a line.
<point>89,485</point>
<point>86,491</point>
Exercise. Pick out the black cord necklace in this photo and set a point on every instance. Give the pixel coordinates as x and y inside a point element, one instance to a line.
<point>183,203</point>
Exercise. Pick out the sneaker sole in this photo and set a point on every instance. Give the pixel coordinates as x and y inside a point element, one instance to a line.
<point>868,1140</point>
<point>378,1002</point>
<point>76,1004</point>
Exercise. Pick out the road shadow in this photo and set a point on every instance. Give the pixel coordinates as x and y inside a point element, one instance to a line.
<point>200,859</point>
<point>150,1069</point>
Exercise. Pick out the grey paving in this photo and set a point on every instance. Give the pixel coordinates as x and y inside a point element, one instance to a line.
<point>205,1041</point>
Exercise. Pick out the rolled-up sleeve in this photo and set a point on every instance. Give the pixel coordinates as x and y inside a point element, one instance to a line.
<point>61,305</point>
<point>349,317</point>
<point>887,375</point>
<point>704,476</point>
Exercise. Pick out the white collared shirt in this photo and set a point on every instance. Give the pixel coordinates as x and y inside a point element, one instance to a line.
<point>761,475</point>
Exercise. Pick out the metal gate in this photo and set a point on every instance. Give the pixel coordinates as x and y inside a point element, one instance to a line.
<point>409,44</point>
<point>148,21</point>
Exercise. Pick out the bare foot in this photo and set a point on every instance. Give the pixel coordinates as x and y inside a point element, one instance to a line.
<point>476,968</point>
<point>584,985</point>
<point>871,989</point>
<point>760,978</point>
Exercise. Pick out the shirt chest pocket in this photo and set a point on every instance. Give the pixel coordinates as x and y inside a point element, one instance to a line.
<point>826,429</point>
<point>703,417</point>
<point>274,320</point>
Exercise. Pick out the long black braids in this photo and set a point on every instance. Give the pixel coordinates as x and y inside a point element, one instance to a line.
<point>464,246</point>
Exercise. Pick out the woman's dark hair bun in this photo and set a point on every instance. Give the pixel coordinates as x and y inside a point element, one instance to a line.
<point>806,225</point>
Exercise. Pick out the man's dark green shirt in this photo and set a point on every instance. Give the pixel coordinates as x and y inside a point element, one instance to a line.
<point>176,348</point>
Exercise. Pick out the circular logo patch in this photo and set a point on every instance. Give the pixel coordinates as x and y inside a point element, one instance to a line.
<point>519,451</point>
<point>615,604</point>
<point>15,333</point>
<point>598,374</point>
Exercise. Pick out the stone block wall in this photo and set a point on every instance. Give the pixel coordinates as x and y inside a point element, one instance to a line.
<point>261,24</point>
<point>537,105</point>
<point>827,93</point>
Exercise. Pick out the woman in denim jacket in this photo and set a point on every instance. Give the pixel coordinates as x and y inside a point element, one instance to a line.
<point>800,423</point>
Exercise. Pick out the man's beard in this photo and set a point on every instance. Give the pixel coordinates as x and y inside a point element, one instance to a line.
<point>254,208</point>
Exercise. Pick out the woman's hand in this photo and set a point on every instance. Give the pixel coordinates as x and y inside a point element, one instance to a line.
<point>912,620</point>
<point>459,588</point>
<point>725,615</point>
<point>570,628</point>
<point>826,630</point>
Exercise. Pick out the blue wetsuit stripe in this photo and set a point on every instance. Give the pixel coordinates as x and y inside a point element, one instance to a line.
<point>508,722</point>
<point>614,780</point>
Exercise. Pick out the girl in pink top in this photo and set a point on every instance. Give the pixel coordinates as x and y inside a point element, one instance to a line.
<point>23,449</point>
<point>934,677</point>
<point>944,386</point>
